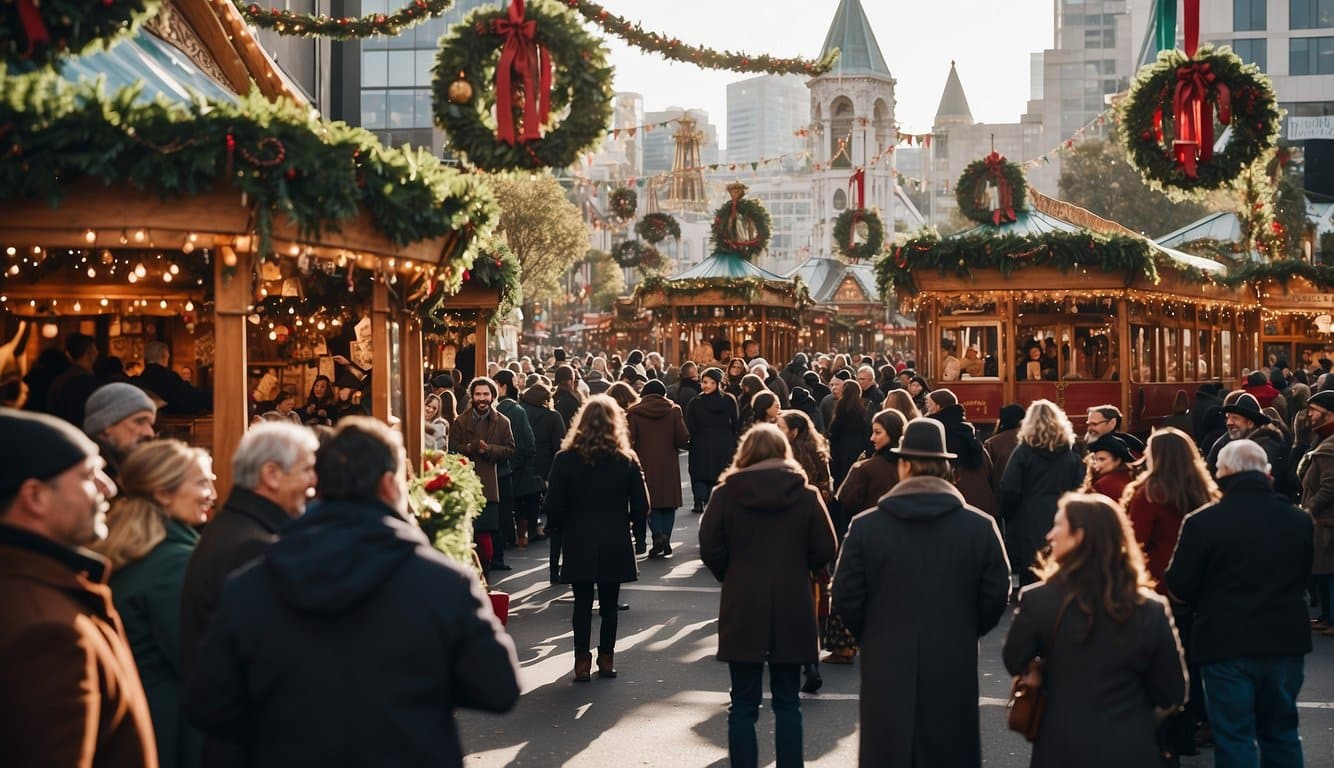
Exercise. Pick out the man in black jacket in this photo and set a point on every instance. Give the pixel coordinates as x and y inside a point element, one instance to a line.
<point>352,641</point>
<point>1241,565</point>
<point>178,395</point>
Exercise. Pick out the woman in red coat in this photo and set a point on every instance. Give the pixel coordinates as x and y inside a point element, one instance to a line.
<point>1110,468</point>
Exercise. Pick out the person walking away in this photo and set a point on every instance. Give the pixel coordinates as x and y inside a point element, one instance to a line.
<point>1110,467</point>
<point>1316,472</point>
<point>69,686</point>
<point>1241,566</point>
<point>764,530</point>
<point>483,435</point>
<point>311,662</point>
<point>1110,652</point>
<point>920,578</point>
<point>513,470</point>
<point>657,435</point>
<point>811,452</point>
<point>548,431</point>
<point>166,488</point>
<point>972,470</point>
<point>567,397</point>
<point>1043,467</point>
<point>596,488</point>
<point>1002,443</point>
<point>712,421</point>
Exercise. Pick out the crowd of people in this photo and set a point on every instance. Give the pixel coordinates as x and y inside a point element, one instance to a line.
<point>1166,583</point>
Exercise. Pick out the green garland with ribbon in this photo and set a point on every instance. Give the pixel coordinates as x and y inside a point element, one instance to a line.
<point>301,24</point>
<point>624,201</point>
<point>749,210</point>
<point>283,159</point>
<point>655,227</point>
<point>37,33</point>
<point>1008,178</point>
<point>1245,100</point>
<point>748,289</point>
<point>875,234</point>
<point>707,58</point>
<point>483,50</point>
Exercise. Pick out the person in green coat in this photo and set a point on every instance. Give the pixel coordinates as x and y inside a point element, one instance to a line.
<point>166,489</point>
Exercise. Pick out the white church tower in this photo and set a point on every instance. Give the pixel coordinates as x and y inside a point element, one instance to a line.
<point>852,118</point>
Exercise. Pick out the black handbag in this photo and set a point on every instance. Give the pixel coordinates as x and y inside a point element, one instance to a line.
<point>1028,699</point>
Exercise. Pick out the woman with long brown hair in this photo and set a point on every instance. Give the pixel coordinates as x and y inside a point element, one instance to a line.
<point>1115,655</point>
<point>1175,483</point>
<point>765,408</point>
<point>809,448</point>
<point>595,489</point>
<point>736,371</point>
<point>166,489</point>
<point>901,401</point>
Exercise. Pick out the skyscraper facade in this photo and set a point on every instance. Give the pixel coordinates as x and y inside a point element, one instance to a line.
<point>763,116</point>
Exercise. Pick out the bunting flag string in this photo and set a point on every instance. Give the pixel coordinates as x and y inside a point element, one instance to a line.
<point>645,128</point>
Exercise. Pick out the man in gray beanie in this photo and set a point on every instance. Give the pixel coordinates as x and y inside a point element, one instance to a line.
<point>119,416</point>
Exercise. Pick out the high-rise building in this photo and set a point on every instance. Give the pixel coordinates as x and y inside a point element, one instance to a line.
<point>763,116</point>
<point>659,146</point>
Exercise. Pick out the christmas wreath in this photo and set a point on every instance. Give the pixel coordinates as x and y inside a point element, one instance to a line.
<point>735,213</point>
<point>624,201</point>
<point>872,238</point>
<point>301,24</point>
<point>633,253</point>
<point>995,171</point>
<point>1168,119</point>
<point>34,32</point>
<point>518,49</point>
<point>655,227</point>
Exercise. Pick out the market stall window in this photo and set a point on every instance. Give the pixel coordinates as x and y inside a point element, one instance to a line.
<point>1143,353</point>
<point>1038,357</point>
<point>969,352</point>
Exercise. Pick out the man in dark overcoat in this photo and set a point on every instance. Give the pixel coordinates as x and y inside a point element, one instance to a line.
<point>921,577</point>
<point>712,421</point>
<point>657,433</point>
<point>483,434</point>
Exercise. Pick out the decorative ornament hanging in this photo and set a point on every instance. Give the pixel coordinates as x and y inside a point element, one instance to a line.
<point>301,24</point>
<point>541,62</point>
<point>741,225</point>
<point>655,227</point>
<point>40,32</point>
<point>858,223</point>
<point>459,90</point>
<point>624,202</point>
<point>991,190</point>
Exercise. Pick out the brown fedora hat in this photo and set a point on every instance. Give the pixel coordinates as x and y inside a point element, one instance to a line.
<point>923,438</point>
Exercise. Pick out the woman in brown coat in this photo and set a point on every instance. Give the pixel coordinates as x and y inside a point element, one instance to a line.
<point>763,532</point>
<point>657,433</point>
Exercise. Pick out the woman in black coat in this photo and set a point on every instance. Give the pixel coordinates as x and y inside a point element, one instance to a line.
<point>596,488</point>
<point>712,421</point>
<point>548,432</point>
<point>1043,467</point>
<point>1116,655</point>
<point>849,432</point>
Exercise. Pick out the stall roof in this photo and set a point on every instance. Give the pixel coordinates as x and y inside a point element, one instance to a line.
<point>1222,227</point>
<point>726,265</point>
<point>1027,223</point>
<point>147,59</point>
<point>824,275</point>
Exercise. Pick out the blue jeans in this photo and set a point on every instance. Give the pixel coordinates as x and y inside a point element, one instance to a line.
<point>1252,706</point>
<point>661,520</point>
<point>747,690</point>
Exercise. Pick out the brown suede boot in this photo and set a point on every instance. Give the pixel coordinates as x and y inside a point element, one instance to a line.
<point>605,666</point>
<point>521,540</point>
<point>583,667</point>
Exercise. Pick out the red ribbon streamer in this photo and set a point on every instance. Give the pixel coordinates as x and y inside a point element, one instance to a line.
<point>857,189</point>
<point>1192,26</point>
<point>1194,115</point>
<point>521,53</point>
<point>33,27</point>
<point>996,170</point>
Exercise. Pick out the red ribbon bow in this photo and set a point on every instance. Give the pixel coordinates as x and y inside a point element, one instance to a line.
<point>33,27</point>
<point>996,170</point>
<point>521,53</point>
<point>1194,116</point>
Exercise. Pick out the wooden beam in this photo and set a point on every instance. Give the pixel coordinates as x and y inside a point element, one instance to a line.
<point>480,358</point>
<point>381,368</point>
<point>410,348</point>
<point>230,383</point>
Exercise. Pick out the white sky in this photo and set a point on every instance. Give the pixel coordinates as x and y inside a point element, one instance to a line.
<point>991,41</point>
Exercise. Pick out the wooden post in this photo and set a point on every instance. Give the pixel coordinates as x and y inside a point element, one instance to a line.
<point>481,358</point>
<point>410,345</point>
<point>673,350</point>
<point>765,352</point>
<point>231,416</point>
<point>380,367</point>
<point>1124,360</point>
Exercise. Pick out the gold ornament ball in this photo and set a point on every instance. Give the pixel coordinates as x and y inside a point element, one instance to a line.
<point>460,92</point>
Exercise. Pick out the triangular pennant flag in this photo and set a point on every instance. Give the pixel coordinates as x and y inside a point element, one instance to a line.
<point>632,131</point>
<point>754,166</point>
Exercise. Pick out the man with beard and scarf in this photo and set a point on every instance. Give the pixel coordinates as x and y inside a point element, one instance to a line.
<point>1246,422</point>
<point>352,641</point>
<point>484,435</point>
<point>712,420</point>
<point>972,468</point>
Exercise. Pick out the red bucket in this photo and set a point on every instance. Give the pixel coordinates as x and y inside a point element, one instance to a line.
<point>500,605</point>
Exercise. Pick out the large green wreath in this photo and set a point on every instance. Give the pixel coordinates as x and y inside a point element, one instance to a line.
<point>655,227</point>
<point>875,234</point>
<point>968,193</point>
<point>68,26</point>
<point>1254,120</point>
<point>749,210</point>
<point>632,253</point>
<point>581,82</point>
<point>624,201</point>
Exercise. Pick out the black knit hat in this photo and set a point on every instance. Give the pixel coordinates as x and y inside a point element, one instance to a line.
<point>713,373</point>
<point>1010,416</point>
<point>38,447</point>
<point>654,387</point>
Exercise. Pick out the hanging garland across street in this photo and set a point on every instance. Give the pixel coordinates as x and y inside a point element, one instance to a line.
<point>971,191</point>
<point>624,202</point>
<point>707,58</point>
<point>540,50</point>
<point>737,212</point>
<point>1168,120</point>
<point>872,240</point>
<point>301,24</point>
<point>40,32</point>
<point>655,227</point>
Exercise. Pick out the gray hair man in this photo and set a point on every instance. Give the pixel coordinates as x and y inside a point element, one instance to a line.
<point>1241,565</point>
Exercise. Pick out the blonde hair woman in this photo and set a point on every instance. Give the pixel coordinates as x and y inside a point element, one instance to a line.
<point>764,530</point>
<point>166,488</point>
<point>1043,467</point>
<point>596,487</point>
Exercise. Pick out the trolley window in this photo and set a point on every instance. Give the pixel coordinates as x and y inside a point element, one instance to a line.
<point>968,352</point>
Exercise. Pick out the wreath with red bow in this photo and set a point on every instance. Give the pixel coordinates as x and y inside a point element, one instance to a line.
<point>1168,119</point>
<point>655,227</point>
<point>528,61</point>
<point>995,171</point>
<point>744,209</point>
<point>34,32</point>
<point>873,235</point>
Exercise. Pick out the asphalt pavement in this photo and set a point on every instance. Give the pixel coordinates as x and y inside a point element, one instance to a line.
<point>668,706</point>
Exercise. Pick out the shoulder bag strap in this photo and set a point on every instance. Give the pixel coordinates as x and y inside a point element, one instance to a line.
<point>1060,616</point>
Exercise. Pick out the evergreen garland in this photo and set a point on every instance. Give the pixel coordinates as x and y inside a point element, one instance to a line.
<point>498,267</point>
<point>747,289</point>
<point>68,26</point>
<point>301,24</point>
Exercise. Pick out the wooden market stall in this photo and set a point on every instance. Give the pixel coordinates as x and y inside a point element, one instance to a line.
<point>1298,321</point>
<point>847,314</point>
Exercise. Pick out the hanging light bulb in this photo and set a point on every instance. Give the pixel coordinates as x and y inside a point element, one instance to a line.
<point>90,237</point>
<point>140,270</point>
<point>189,306</point>
<point>92,272</point>
<point>175,270</point>
<point>163,304</point>
<point>50,330</point>
<point>104,302</point>
<point>166,277</point>
<point>139,236</point>
<point>133,278</point>
<point>78,307</point>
